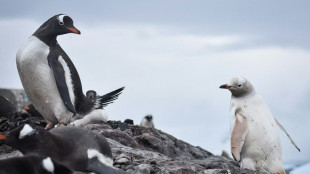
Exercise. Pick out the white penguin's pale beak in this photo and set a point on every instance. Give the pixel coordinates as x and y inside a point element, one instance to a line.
<point>225,86</point>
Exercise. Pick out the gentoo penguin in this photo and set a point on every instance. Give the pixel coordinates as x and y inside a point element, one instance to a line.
<point>92,95</point>
<point>32,164</point>
<point>77,148</point>
<point>6,107</point>
<point>96,115</point>
<point>49,77</point>
<point>147,121</point>
<point>255,139</point>
<point>32,111</point>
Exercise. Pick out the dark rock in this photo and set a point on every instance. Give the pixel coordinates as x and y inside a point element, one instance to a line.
<point>18,118</point>
<point>141,150</point>
<point>6,107</point>
<point>129,121</point>
<point>123,126</point>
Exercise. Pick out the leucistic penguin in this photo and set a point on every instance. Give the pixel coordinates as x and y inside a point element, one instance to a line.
<point>49,77</point>
<point>147,121</point>
<point>77,148</point>
<point>32,164</point>
<point>255,139</point>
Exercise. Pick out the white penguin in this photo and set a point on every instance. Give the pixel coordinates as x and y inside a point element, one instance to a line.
<point>147,121</point>
<point>255,139</point>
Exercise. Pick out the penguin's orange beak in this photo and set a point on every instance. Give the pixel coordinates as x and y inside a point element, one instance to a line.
<point>74,30</point>
<point>26,108</point>
<point>225,86</point>
<point>2,137</point>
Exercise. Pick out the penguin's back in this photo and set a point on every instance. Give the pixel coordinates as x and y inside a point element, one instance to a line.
<point>83,141</point>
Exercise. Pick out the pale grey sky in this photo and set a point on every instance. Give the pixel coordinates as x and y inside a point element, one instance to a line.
<point>172,57</point>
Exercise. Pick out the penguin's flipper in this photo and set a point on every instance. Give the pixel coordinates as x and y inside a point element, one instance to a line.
<point>292,141</point>
<point>238,135</point>
<point>94,165</point>
<point>108,98</point>
<point>59,75</point>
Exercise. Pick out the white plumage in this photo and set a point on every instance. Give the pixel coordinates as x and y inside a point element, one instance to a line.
<point>39,83</point>
<point>255,139</point>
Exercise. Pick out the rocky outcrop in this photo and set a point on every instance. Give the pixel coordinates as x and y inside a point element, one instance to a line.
<point>139,150</point>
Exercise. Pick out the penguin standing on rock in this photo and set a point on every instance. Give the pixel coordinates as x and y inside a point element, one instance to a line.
<point>147,121</point>
<point>255,139</point>
<point>77,148</point>
<point>32,164</point>
<point>49,77</point>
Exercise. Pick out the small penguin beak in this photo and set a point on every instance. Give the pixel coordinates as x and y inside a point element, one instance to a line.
<point>2,137</point>
<point>74,30</point>
<point>225,86</point>
<point>26,108</point>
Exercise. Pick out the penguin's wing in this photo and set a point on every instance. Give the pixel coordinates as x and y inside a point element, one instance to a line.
<point>94,165</point>
<point>59,75</point>
<point>108,98</point>
<point>238,135</point>
<point>292,141</point>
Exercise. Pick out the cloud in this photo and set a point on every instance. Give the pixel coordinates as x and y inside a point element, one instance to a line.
<point>175,76</point>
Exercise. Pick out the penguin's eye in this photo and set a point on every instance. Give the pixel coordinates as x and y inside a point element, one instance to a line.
<point>61,23</point>
<point>239,85</point>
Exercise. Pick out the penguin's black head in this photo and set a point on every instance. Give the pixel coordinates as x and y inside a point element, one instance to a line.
<point>149,117</point>
<point>24,136</point>
<point>91,94</point>
<point>56,25</point>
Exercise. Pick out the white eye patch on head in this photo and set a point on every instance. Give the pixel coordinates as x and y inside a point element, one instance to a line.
<point>61,19</point>
<point>27,130</point>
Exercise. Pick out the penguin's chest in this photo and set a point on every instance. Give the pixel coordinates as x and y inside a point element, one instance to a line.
<point>38,79</point>
<point>262,138</point>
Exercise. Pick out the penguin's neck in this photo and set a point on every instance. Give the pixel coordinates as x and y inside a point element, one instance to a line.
<point>48,39</point>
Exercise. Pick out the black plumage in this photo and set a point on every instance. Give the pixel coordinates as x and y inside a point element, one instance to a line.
<point>82,105</point>
<point>30,164</point>
<point>66,145</point>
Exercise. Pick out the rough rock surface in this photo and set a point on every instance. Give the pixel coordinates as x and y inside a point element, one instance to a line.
<point>138,150</point>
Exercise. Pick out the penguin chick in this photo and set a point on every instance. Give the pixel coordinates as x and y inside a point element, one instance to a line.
<point>32,164</point>
<point>147,121</point>
<point>70,146</point>
<point>92,95</point>
<point>97,115</point>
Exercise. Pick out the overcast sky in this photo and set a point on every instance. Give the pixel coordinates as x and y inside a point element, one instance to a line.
<point>173,56</point>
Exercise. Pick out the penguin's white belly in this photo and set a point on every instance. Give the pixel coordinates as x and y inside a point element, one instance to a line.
<point>262,146</point>
<point>39,83</point>
<point>146,123</point>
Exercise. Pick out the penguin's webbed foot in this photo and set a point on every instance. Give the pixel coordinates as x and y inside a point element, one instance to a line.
<point>49,126</point>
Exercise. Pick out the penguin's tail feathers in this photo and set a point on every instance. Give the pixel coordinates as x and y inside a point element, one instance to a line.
<point>104,100</point>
